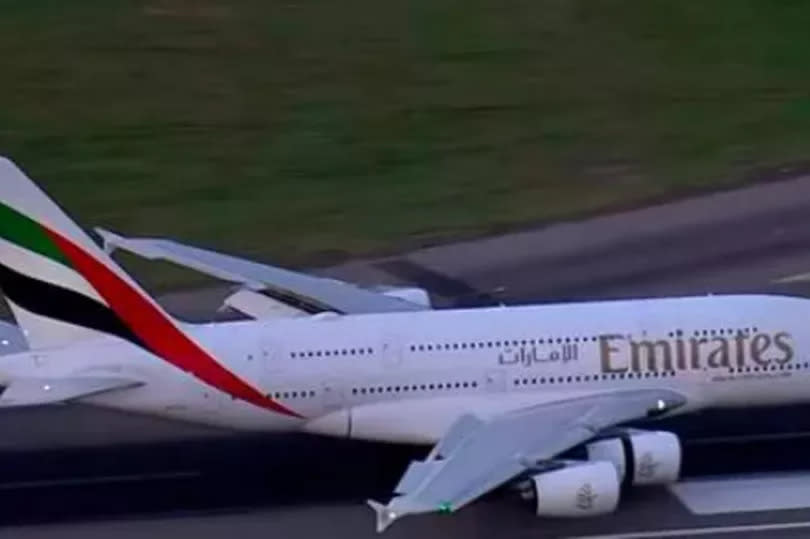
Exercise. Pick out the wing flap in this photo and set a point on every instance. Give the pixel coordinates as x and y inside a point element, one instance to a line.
<point>460,430</point>
<point>417,472</point>
<point>41,391</point>
<point>260,307</point>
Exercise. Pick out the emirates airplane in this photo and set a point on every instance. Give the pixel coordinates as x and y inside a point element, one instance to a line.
<point>504,395</point>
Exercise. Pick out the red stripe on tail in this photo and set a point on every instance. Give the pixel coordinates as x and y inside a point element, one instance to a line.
<point>159,333</point>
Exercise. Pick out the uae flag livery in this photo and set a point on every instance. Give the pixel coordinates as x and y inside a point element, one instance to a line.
<point>62,287</point>
<point>71,301</point>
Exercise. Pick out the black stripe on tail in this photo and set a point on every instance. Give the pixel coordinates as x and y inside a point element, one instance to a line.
<point>55,302</point>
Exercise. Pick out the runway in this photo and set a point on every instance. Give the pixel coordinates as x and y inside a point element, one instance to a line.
<point>286,488</point>
<point>292,486</point>
<point>79,472</point>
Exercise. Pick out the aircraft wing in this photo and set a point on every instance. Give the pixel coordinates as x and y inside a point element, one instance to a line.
<point>40,391</point>
<point>306,291</point>
<point>476,456</point>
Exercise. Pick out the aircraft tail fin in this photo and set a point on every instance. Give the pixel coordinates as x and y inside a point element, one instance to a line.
<point>60,286</point>
<point>65,288</point>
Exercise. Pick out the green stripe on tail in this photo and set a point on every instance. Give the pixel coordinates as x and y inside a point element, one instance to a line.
<point>28,234</point>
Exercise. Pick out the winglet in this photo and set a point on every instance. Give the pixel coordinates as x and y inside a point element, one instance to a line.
<point>385,515</point>
<point>109,240</point>
<point>145,247</point>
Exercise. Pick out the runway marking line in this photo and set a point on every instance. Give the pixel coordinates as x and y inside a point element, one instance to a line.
<point>773,437</point>
<point>75,481</point>
<point>797,278</point>
<point>694,532</point>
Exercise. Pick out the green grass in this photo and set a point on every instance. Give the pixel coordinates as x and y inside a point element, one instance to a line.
<point>306,131</point>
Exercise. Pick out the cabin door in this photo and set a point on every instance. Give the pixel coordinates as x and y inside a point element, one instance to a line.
<point>495,381</point>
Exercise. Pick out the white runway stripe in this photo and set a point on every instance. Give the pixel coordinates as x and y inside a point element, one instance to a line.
<point>745,493</point>
<point>773,437</point>
<point>798,278</point>
<point>699,532</point>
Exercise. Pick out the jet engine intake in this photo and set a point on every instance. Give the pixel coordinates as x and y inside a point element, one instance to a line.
<point>580,489</point>
<point>640,457</point>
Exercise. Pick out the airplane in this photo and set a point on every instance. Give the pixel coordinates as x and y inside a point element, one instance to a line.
<point>12,339</point>
<point>504,395</point>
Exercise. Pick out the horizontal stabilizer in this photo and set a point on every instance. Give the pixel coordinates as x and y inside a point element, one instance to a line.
<point>12,339</point>
<point>40,391</point>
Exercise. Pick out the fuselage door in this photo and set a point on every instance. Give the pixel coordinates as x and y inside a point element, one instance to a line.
<point>192,399</point>
<point>391,351</point>
<point>211,400</point>
<point>495,381</point>
<point>332,395</point>
<point>272,356</point>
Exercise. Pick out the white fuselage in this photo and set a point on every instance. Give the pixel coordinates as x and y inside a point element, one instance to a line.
<point>404,377</point>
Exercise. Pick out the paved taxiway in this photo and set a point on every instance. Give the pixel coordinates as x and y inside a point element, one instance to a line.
<point>290,487</point>
<point>199,479</point>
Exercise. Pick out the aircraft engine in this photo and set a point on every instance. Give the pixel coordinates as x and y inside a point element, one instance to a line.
<point>581,489</point>
<point>640,457</point>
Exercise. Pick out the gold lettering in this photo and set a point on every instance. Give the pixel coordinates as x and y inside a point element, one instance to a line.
<point>740,340</point>
<point>782,342</point>
<point>680,353</point>
<point>759,345</point>
<point>606,349</point>
<point>651,347</point>
<point>694,355</point>
<point>720,356</point>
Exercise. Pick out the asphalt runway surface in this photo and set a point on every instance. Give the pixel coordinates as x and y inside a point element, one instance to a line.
<point>75,471</point>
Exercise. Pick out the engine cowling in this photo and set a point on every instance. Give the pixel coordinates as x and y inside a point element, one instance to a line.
<point>640,457</point>
<point>581,489</point>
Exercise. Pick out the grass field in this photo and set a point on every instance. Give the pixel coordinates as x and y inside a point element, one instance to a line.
<point>306,131</point>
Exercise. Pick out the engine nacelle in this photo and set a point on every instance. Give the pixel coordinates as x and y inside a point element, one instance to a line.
<point>640,457</point>
<point>581,489</point>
